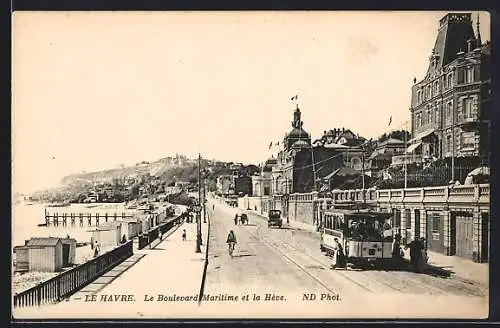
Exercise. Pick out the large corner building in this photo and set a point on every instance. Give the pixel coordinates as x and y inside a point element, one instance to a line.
<point>450,105</point>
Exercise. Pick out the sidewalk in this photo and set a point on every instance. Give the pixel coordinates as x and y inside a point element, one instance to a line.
<point>463,268</point>
<point>170,268</point>
<point>460,267</point>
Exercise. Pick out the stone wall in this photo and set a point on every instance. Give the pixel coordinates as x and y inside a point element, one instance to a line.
<point>254,203</point>
<point>302,211</point>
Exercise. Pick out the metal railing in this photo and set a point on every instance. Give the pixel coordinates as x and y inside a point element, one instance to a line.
<point>407,159</point>
<point>154,233</point>
<point>69,282</point>
<point>468,193</point>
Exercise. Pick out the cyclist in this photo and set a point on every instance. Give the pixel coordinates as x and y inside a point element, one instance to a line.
<point>231,241</point>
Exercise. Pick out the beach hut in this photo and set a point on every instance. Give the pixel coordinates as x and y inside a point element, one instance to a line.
<point>21,258</point>
<point>145,222</point>
<point>130,228</point>
<point>45,254</point>
<point>177,210</point>
<point>107,234</point>
<point>69,251</point>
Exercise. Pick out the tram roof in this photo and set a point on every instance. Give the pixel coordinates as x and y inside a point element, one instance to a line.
<point>365,213</point>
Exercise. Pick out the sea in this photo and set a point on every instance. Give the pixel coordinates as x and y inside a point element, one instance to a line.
<point>27,216</point>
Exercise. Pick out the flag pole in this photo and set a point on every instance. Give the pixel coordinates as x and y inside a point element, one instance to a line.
<point>404,157</point>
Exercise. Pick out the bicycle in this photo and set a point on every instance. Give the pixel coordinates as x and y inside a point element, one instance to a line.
<point>231,248</point>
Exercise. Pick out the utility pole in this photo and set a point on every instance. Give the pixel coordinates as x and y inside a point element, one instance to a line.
<point>363,174</point>
<point>261,186</point>
<point>204,199</point>
<point>404,156</point>
<point>453,144</point>
<point>198,215</point>
<point>314,168</point>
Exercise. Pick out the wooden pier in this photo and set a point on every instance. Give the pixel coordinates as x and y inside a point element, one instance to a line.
<point>83,219</point>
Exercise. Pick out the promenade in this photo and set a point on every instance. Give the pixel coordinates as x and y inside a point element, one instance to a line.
<point>171,267</point>
<point>269,274</point>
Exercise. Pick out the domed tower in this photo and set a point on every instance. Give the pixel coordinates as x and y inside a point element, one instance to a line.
<point>297,134</point>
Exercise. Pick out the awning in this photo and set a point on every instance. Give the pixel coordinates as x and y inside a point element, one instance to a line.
<point>422,135</point>
<point>412,148</point>
<point>330,175</point>
<point>480,170</point>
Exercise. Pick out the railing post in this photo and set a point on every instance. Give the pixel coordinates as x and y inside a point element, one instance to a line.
<point>476,193</point>
<point>58,289</point>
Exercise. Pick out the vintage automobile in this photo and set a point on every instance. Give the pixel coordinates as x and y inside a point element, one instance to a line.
<point>274,219</point>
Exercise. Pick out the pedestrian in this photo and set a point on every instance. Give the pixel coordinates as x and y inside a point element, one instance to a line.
<point>397,255</point>
<point>184,234</point>
<point>415,253</point>
<point>236,219</point>
<point>338,260</point>
<point>422,262</point>
<point>97,249</point>
<point>213,207</point>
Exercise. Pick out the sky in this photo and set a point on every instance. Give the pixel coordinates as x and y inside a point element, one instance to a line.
<point>93,90</point>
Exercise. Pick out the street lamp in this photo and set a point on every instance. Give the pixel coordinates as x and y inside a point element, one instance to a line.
<point>204,201</point>
<point>198,214</point>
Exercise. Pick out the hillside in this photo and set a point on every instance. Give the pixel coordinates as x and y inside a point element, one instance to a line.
<point>156,168</point>
<point>143,180</point>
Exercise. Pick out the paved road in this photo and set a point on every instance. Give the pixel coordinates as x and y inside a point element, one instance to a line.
<point>288,262</point>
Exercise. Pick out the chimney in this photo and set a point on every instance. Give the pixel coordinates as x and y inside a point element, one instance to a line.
<point>470,45</point>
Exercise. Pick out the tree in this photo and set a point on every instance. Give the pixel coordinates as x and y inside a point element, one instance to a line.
<point>134,191</point>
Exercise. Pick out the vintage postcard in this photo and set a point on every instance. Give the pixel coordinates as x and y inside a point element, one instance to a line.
<point>246,165</point>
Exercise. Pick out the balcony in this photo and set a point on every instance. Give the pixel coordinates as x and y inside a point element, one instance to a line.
<point>407,159</point>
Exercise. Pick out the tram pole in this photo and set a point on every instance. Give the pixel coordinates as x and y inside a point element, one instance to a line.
<point>198,214</point>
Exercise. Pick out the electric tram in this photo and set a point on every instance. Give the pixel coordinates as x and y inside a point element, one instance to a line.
<point>365,235</point>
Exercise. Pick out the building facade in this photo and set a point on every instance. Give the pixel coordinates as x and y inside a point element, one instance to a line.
<point>225,184</point>
<point>450,105</point>
<point>300,165</point>
<point>346,142</point>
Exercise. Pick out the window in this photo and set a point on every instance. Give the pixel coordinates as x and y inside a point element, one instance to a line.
<point>468,108</point>
<point>436,87</point>
<point>356,163</point>
<point>407,219</point>
<point>470,74</point>
<point>419,96</point>
<point>449,82</point>
<point>460,77</point>
<point>436,220</point>
<point>419,120</point>
<point>448,143</point>
<point>397,218</point>
<point>449,108</point>
<point>436,114</point>
<point>468,140</point>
